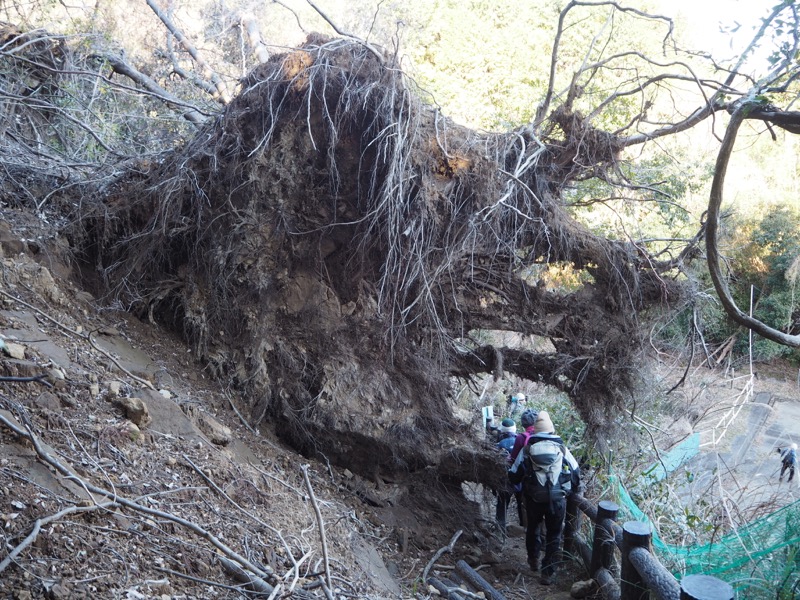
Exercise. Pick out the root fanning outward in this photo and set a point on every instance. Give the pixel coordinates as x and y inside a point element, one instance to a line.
<point>330,245</point>
<point>335,239</point>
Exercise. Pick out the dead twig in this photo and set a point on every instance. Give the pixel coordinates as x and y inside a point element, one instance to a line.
<point>246,577</point>
<point>222,493</point>
<point>37,526</point>
<point>144,382</point>
<point>84,336</point>
<point>325,588</point>
<point>238,414</point>
<point>37,378</point>
<point>439,553</point>
<point>295,564</point>
<point>321,525</point>
<point>234,588</point>
<point>281,481</point>
<point>227,551</point>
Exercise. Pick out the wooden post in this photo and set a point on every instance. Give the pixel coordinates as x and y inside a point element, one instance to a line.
<point>603,541</point>
<point>635,534</point>
<point>705,587</point>
<point>572,524</point>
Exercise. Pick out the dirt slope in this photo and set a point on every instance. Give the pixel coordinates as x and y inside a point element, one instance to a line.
<point>147,484</point>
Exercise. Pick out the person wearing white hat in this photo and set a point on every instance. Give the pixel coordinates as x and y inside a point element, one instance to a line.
<point>516,404</point>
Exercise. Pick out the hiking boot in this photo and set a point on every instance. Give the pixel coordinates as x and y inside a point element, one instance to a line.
<point>546,579</point>
<point>533,563</point>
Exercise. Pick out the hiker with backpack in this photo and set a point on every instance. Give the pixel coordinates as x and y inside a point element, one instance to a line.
<point>548,473</point>
<point>516,404</point>
<point>788,461</point>
<point>507,434</point>
<point>528,422</point>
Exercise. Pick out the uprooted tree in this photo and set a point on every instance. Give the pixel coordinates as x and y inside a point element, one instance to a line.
<point>334,248</point>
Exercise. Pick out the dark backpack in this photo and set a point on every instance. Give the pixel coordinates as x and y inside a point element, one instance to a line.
<point>506,444</point>
<point>548,474</point>
<point>790,457</point>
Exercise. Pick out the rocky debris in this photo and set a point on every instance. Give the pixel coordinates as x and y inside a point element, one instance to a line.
<point>216,432</point>
<point>583,589</point>
<point>114,388</point>
<point>10,244</point>
<point>13,350</point>
<point>20,368</point>
<point>47,401</point>
<point>135,410</point>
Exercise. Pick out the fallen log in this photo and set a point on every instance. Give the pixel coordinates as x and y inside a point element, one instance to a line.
<point>475,580</point>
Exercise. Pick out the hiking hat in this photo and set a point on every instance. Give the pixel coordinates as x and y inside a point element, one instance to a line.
<point>528,418</point>
<point>543,423</point>
<point>508,426</point>
<point>518,397</point>
<point>793,446</point>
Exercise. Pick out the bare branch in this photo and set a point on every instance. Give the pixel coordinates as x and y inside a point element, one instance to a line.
<point>204,85</point>
<point>249,27</point>
<point>123,68</point>
<point>765,24</point>
<point>712,250</point>
<point>219,84</point>
<point>439,553</point>
<point>330,22</point>
<point>37,526</point>
<point>321,525</point>
<point>788,120</point>
<point>696,117</point>
<point>544,107</point>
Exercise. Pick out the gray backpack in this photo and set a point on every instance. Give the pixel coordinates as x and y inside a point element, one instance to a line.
<point>548,474</point>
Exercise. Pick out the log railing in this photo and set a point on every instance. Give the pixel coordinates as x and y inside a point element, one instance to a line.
<point>637,574</point>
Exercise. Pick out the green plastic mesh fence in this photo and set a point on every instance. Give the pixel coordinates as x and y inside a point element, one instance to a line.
<point>760,559</point>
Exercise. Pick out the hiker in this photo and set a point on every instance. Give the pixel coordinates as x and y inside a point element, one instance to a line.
<point>788,461</point>
<point>516,404</point>
<point>507,433</point>
<point>548,472</point>
<point>528,421</point>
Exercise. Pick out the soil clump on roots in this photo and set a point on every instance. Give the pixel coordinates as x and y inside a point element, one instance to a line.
<point>328,246</point>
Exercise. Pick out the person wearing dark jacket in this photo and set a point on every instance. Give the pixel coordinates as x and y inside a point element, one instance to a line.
<point>528,421</point>
<point>507,433</point>
<point>552,509</point>
<point>788,461</point>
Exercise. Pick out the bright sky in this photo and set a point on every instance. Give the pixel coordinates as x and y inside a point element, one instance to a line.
<point>703,18</point>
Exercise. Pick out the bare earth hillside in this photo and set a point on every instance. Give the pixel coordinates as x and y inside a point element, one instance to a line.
<point>126,472</point>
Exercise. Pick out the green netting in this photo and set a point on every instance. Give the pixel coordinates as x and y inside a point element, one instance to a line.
<point>760,559</point>
<point>688,448</point>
